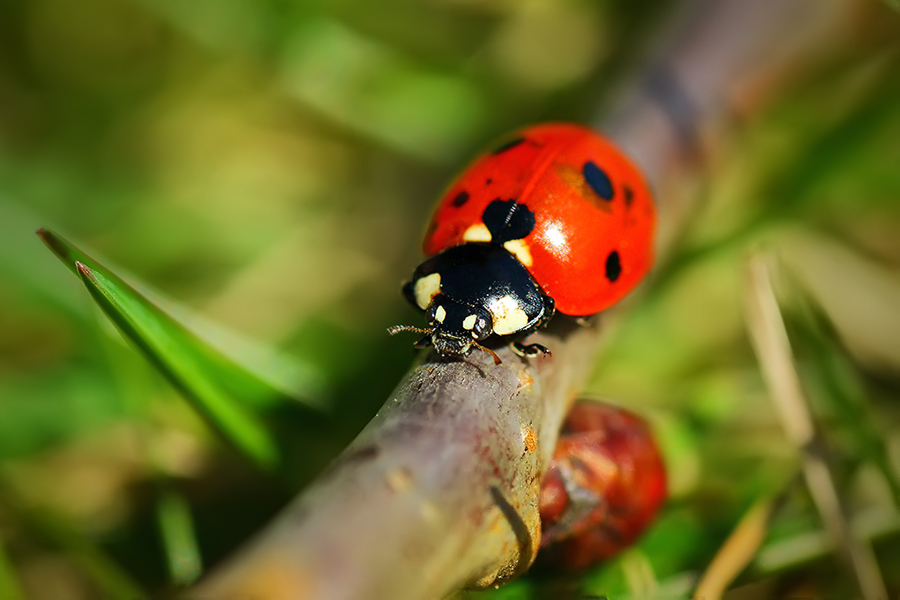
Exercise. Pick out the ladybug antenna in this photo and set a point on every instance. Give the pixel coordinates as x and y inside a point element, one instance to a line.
<point>497,360</point>
<point>424,342</point>
<point>398,328</point>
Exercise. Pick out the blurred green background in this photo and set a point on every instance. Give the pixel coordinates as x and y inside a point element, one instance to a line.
<point>270,165</point>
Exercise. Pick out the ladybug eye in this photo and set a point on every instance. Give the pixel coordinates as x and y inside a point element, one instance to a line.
<point>482,328</point>
<point>478,325</point>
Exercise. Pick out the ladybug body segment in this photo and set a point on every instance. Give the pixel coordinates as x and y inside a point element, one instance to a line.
<point>554,219</point>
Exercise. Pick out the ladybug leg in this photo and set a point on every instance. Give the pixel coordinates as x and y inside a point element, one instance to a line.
<point>529,350</point>
<point>424,342</point>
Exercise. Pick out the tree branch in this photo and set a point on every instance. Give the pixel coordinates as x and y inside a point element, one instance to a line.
<point>438,492</point>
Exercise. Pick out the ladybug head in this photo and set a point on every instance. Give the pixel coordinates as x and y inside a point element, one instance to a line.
<point>454,328</point>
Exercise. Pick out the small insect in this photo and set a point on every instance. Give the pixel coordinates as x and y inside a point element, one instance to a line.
<point>554,219</point>
<point>605,484</point>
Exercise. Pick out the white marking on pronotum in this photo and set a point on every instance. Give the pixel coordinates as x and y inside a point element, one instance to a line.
<point>521,250</point>
<point>507,315</point>
<point>427,288</point>
<point>440,314</point>
<point>477,233</point>
<point>469,322</point>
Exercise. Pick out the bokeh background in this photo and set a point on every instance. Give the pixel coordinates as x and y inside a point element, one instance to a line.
<point>270,165</point>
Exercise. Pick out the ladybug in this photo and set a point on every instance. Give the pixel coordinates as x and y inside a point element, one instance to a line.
<point>555,219</point>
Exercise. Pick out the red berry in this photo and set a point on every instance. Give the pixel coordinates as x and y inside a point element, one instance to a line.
<point>604,486</point>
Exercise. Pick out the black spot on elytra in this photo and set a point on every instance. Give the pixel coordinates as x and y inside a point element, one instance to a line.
<point>461,198</point>
<point>507,220</point>
<point>489,181</point>
<point>629,195</point>
<point>598,180</point>
<point>508,145</point>
<point>613,266</point>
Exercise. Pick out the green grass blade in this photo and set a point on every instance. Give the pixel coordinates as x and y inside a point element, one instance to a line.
<point>160,343</point>
<point>176,527</point>
<point>205,377</point>
<point>258,375</point>
<point>842,386</point>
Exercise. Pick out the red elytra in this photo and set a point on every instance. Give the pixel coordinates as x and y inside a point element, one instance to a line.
<point>605,484</point>
<point>594,216</point>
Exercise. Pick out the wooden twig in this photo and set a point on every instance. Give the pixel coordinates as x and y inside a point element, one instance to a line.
<point>440,490</point>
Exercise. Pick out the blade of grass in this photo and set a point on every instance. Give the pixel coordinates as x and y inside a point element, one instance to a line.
<point>154,337</point>
<point>176,527</point>
<point>257,375</point>
<point>773,349</point>
<point>844,390</point>
<point>804,547</point>
<point>195,369</point>
<point>737,552</point>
